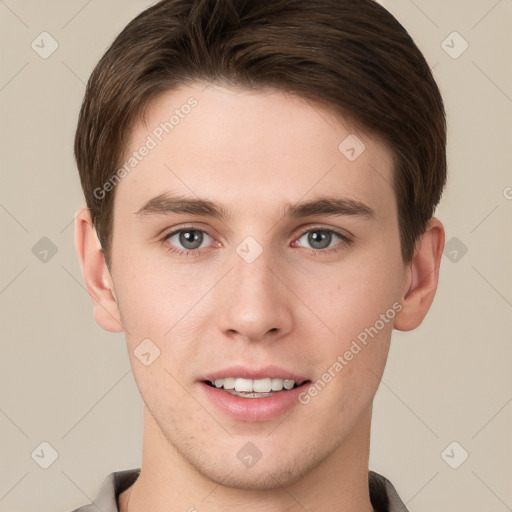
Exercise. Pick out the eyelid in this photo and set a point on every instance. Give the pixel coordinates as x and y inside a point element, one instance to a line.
<point>343,233</point>
<point>166,233</point>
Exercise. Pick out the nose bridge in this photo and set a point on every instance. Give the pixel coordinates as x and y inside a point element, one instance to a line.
<point>253,299</point>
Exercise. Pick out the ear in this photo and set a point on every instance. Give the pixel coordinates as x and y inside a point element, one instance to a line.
<point>96,274</point>
<point>422,278</point>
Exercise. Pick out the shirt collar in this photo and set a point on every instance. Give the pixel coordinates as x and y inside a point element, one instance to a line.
<point>119,481</point>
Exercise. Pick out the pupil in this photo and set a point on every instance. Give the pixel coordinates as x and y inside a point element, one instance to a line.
<point>191,237</point>
<point>319,237</point>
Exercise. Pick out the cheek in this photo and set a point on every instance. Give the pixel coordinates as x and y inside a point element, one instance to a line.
<point>358,304</point>
<point>153,297</point>
<point>352,297</point>
<point>167,307</point>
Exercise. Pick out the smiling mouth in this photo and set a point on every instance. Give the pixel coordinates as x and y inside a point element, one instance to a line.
<point>254,388</point>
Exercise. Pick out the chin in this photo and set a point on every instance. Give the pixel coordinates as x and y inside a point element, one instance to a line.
<point>268,473</point>
<point>251,479</point>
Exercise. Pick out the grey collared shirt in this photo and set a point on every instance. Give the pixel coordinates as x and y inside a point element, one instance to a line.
<point>383,495</point>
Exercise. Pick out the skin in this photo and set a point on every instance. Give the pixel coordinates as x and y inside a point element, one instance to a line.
<point>252,152</point>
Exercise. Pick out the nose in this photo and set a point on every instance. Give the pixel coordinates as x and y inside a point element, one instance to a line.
<point>253,301</point>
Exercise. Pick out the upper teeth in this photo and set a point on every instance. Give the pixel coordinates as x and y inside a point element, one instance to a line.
<point>254,385</point>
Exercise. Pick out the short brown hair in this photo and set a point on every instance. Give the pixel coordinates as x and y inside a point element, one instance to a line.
<point>351,55</point>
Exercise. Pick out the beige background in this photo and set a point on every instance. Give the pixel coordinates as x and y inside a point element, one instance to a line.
<point>66,382</point>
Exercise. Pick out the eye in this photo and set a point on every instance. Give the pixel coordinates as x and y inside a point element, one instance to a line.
<point>187,240</point>
<point>321,239</point>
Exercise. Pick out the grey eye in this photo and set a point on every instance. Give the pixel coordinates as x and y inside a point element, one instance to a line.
<point>319,238</point>
<point>189,239</point>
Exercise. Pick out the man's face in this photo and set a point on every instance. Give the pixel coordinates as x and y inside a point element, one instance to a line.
<point>259,293</point>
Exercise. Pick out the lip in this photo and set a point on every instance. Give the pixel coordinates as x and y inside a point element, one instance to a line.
<point>253,409</point>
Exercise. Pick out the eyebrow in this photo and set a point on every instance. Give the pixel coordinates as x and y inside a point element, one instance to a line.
<point>164,204</point>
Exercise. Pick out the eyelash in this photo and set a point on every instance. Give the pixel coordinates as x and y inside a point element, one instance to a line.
<point>346,241</point>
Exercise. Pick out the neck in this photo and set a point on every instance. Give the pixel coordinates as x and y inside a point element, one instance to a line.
<point>168,482</point>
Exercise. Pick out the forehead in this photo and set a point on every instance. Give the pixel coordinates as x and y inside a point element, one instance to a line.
<point>258,149</point>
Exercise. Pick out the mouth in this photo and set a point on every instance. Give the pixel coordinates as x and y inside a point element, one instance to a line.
<point>253,394</point>
<point>255,388</point>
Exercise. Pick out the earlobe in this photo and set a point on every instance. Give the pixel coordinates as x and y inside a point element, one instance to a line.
<point>422,278</point>
<point>98,280</point>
